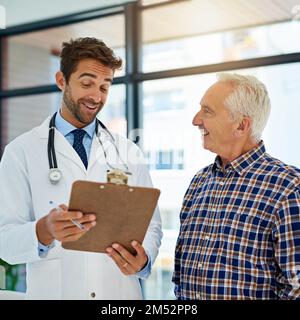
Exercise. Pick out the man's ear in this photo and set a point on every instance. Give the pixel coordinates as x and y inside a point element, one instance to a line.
<point>244,127</point>
<point>60,80</point>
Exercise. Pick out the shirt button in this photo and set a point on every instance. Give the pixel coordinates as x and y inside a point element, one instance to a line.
<point>206,237</point>
<point>221,183</point>
<point>200,265</point>
<point>93,294</point>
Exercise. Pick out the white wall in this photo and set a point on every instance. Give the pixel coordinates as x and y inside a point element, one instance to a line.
<point>19,11</point>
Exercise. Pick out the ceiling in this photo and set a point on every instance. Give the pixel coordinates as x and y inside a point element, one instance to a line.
<point>177,20</point>
<point>109,29</point>
<point>194,17</point>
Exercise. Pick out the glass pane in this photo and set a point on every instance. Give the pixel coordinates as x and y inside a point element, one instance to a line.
<point>113,115</point>
<point>169,107</point>
<point>21,114</point>
<point>12,277</point>
<point>33,58</point>
<point>198,40</point>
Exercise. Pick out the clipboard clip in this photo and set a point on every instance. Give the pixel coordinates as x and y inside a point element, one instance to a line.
<point>117,176</point>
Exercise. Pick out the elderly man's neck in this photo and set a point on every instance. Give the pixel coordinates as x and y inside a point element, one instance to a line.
<point>236,151</point>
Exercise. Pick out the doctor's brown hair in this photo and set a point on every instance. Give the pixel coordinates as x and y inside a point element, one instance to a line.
<point>86,48</point>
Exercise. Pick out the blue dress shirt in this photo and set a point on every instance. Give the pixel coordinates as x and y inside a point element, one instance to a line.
<point>65,128</point>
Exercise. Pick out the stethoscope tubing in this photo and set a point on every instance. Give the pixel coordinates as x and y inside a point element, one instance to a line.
<point>51,148</point>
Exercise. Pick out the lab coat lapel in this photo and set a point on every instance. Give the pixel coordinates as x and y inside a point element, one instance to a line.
<point>96,153</point>
<point>63,147</point>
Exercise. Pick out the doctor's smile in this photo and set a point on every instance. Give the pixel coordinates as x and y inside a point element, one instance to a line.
<point>90,96</point>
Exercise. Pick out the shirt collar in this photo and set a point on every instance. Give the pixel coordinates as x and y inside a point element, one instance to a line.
<point>244,161</point>
<point>65,127</point>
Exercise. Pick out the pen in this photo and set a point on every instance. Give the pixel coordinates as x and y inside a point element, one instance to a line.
<point>75,222</point>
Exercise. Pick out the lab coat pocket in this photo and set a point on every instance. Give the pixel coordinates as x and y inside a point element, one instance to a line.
<point>44,279</point>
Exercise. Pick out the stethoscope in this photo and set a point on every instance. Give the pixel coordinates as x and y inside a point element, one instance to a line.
<point>55,173</point>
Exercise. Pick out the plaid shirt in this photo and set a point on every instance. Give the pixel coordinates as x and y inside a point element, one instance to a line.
<point>240,231</point>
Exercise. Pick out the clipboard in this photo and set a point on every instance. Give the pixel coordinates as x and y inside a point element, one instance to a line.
<point>123,213</point>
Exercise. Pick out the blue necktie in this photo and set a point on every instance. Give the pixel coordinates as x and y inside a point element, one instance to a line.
<point>78,145</point>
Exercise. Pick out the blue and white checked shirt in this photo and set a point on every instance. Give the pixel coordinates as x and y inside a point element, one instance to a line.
<point>240,231</point>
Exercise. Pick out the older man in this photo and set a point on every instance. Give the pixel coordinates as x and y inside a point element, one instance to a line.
<point>240,219</point>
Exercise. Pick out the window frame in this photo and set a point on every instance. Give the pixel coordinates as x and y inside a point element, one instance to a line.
<point>134,77</point>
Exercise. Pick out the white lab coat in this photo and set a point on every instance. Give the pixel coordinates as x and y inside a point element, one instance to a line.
<point>25,192</point>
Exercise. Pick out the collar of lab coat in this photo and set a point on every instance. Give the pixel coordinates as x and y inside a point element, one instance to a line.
<point>63,147</point>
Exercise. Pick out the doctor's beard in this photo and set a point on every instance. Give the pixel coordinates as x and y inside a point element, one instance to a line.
<point>75,107</point>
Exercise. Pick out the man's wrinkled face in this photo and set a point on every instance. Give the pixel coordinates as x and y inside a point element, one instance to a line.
<point>87,90</point>
<point>214,121</point>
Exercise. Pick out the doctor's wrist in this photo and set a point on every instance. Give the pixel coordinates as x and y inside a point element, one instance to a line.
<point>43,234</point>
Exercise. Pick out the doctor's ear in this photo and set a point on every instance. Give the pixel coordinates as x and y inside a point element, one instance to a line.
<point>244,127</point>
<point>60,80</point>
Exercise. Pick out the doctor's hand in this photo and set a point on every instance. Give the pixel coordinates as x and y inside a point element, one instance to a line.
<point>57,225</point>
<point>128,263</point>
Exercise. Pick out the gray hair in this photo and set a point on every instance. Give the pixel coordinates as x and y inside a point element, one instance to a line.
<point>250,98</point>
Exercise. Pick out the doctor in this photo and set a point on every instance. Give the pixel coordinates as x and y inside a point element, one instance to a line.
<point>32,228</point>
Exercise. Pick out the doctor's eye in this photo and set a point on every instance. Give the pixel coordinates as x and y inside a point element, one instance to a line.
<point>86,85</point>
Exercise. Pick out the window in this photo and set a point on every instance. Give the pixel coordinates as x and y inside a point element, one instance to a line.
<point>163,100</point>
<point>33,58</point>
<point>21,114</point>
<point>113,114</point>
<point>192,33</point>
<point>162,160</point>
<point>221,47</point>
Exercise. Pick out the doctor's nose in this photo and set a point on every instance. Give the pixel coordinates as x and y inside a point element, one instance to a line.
<point>197,121</point>
<point>97,97</point>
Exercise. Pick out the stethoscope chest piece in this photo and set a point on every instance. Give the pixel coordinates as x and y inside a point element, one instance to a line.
<point>54,175</point>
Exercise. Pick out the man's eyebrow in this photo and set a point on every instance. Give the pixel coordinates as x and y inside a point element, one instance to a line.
<point>86,74</point>
<point>204,105</point>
